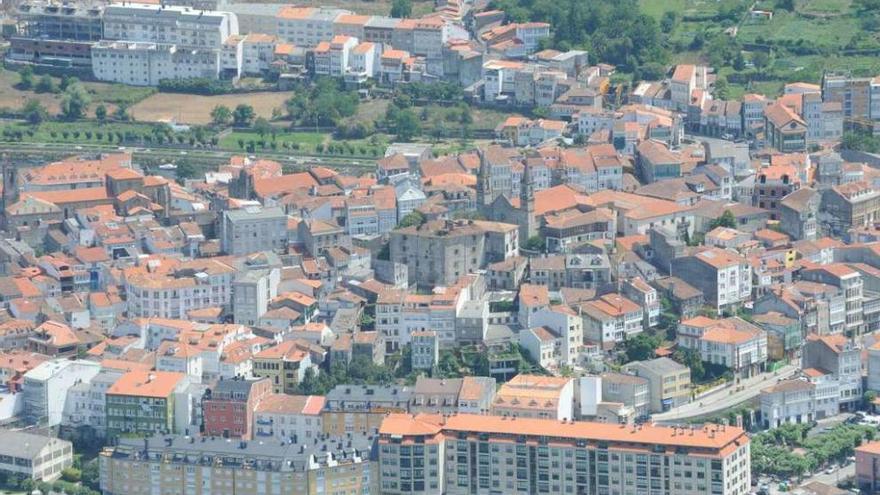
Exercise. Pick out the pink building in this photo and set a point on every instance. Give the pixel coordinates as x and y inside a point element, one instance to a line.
<point>228,406</point>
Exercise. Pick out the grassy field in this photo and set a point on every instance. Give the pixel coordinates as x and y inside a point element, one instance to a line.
<point>108,94</point>
<point>76,132</point>
<point>193,109</point>
<point>832,32</point>
<point>306,142</point>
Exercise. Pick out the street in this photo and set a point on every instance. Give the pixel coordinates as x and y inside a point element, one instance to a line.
<point>722,399</point>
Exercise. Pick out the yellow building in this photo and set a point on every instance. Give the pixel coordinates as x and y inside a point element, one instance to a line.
<point>284,364</point>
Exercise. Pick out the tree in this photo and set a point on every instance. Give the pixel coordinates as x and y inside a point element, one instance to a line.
<point>642,346</point>
<point>721,88</point>
<point>71,474</point>
<point>243,115</point>
<point>406,125</point>
<point>221,115</point>
<point>535,243</point>
<point>761,60</point>
<point>785,5</point>
<point>401,8</point>
<point>34,112</point>
<point>691,359</point>
<point>121,113</point>
<point>262,127</point>
<point>101,112</point>
<point>669,21</point>
<point>26,78</point>
<point>739,62</point>
<point>75,102</point>
<point>45,84</point>
<point>725,220</point>
<point>413,218</point>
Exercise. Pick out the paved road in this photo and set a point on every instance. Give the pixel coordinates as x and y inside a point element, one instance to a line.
<point>723,399</point>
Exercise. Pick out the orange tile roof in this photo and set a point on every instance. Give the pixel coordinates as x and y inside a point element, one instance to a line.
<point>311,405</point>
<point>137,383</point>
<point>73,196</point>
<point>710,437</point>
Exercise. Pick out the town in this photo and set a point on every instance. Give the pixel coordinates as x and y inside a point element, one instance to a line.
<point>439,247</point>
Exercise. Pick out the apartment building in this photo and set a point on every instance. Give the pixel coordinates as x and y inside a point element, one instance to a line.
<point>168,289</point>
<point>854,94</point>
<point>868,467</point>
<point>58,32</point>
<point>288,418</point>
<point>165,24</point>
<point>45,389</point>
<point>534,396</point>
<point>840,358</point>
<point>851,283</point>
<point>85,411</point>
<point>331,57</point>
<point>425,353</point>
<point>179,464</point>
<point>611,319</point>
<point>785,130</point>
<point>253,229</point>
<point>441,252</point>
<point>139,63</point>
<point>473,454</point>
<point>669,382</point>
<point>730,342</point>
<point>361,408</point>
<point>144,403</point>
<point>284,365</point>
<point>794,401</point>
<point>228,407</point>
<point>724,276</point>
<point>630,390</point>
<point>850,206</point>
<point>308,26</point>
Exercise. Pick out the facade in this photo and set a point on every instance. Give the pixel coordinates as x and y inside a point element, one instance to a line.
<point>45,388</point>
<point>361,408</point>
<point>868,467</point>
<point>724,276</point>
<point>143,403</point>
<point>669,382</point>
<point>523,455</point>
<point>253,229</point>
<point>141,63</point>
<point>174,464</point>
<point>425,349</point>
<point>630,390</point>
<point>35,457</point>
<point>532,396</point>
<point>288,418</point>
<point>228,407</point>
<point>793,401</point>
<point>441,252</point>
<point>841,358</point>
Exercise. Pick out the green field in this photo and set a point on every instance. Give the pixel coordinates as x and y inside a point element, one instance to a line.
<point>305,142</point>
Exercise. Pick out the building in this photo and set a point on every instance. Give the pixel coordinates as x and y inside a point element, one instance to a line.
<point>288,418</point>
<point>250,230</point>
<point>176,25</point>
<point>799,214</point>
<point>724,277</point>
<point>48,34</point>
<point>868,467</point>
<point>630,390</point>
<point>839,357</point>
<point>792,401</point>
<point>533,396</point>
<point>35,457</point>
<point>45,388</point>
<point>851,283</point>
<point>527,455</point>
<point>228,407</point>
<point>144,403</point>
<point>85,411</point>
<point>611,319</point>
<point>176,464</point>
<point>141,63</point>
<point>425,350</point>
<point>732,342</point>
<point>361,408</point>
<point>285,365</point>
<point>441,252</point>
<point>168,289</point>
<point>669,382</point>
<point>850,206</point>
<point>785,130</point>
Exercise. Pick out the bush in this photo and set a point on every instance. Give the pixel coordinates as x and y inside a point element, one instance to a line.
<point>71,474</point>
<point>198,86</point>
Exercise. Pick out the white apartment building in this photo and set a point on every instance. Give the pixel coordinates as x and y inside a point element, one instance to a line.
<point>731,342</point>
<point>363,62</point>
<point>332,57</point>
<point>611,319</point>
<point>307,26</point>
<point>152,293</point>
<point>258,53</point>
<point>565,323</point>
<point>86,401</point>
<point>147,63</point>
<point>287,418</point>
<point>164,24</point>
<point>543,345</point>
<point>724,276</point>
<point>32,456</point>
<point>789,401</point>
<point>45,388</point>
